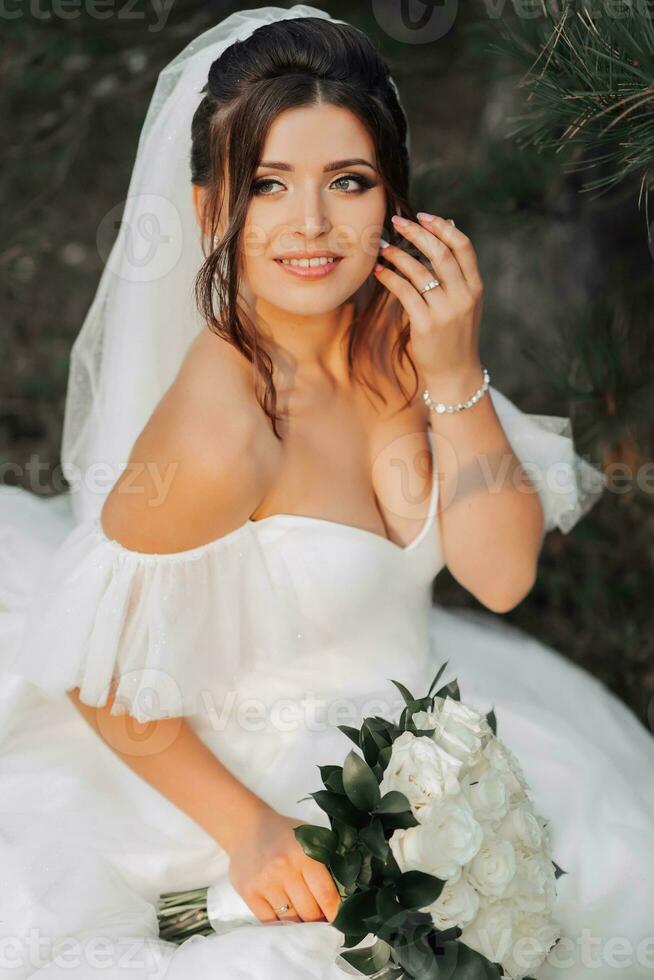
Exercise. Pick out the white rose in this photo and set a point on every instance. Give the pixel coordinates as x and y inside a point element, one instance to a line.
<point>535,883</point>
<point>505,764</point>
<point>546,831</point>
<point>457,904</point>
<point>491,932</point>
<point>493,868</point>
<point>459,729</point>
<point>488,795</point>
<point>533,937</point>
<point>521,826</point>
<point>442,844</point>
<point>422,770</point>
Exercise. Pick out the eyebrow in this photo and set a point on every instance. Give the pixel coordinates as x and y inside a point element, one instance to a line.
<point>334,165</point>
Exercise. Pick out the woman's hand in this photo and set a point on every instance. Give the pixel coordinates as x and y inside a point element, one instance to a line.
<point>268,868</point>
<point>444,321</point>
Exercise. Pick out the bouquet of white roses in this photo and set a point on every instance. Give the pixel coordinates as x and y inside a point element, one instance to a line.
<point>434,846</point>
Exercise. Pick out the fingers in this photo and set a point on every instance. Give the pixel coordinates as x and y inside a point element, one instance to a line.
<point>460,245</point>
<point>416,272</point>
<point>323,888</point>
<point>302,899</point>
<point>260,907</point>
<point>277,897</point>
<point>437,250</point>
<point>405,292</point>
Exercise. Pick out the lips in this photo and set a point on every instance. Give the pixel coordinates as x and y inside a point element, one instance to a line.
<point>310,256</point>
<point>302,268</point>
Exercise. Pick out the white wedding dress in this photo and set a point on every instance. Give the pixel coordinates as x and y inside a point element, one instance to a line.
<point>285,617</point>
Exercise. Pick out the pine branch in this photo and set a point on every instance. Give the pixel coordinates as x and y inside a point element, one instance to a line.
<point>589,90</point>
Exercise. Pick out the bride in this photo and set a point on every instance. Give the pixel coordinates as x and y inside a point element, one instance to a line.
<point>261,497</point>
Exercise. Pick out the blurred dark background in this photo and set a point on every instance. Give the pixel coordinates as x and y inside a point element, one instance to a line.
<point>535,133</point>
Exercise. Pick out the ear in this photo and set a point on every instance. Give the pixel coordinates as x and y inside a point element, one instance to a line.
<point>198,203</point>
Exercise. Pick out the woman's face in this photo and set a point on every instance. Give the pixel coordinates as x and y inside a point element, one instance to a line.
<point>317,191</point>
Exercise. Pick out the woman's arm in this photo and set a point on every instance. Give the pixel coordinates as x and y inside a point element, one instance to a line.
<point>169,755</point>
<point>490,516</point>
<point>267,865</point>
<point>206,433</point>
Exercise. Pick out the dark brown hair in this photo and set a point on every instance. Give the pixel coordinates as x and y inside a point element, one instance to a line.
<point>290,63</point>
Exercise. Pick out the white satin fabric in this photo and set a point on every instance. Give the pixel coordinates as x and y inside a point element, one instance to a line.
<point>267,639</point>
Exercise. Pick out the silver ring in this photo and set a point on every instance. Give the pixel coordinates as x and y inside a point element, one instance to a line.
<point>430,285</point>
<point>282,908</point>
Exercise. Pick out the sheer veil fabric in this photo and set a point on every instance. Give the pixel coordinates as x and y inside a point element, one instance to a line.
<point>288,610</point>
<point>143,316</point>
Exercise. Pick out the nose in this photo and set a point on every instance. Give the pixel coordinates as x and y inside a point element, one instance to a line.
<point>312,218</point>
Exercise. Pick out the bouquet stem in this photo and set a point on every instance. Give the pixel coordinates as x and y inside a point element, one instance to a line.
<point>183,914</point>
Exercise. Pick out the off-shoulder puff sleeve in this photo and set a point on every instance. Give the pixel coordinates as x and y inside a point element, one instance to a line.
<point>567,484</point>
<point>163,632</point>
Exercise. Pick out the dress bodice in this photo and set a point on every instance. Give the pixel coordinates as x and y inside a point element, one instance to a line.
<point>275,608</point>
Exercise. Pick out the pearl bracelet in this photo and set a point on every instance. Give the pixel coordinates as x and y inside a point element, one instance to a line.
<point>440,407</point>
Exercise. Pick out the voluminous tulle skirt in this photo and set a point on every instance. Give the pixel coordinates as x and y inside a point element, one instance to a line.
<point>87,846</point>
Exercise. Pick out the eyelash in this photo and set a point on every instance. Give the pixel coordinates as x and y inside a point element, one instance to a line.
<point>363,182</point>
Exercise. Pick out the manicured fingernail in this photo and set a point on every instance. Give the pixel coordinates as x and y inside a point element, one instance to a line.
<point>378,267</point>
<point>425,216</point>
<point>402,222</point>
<point>383,243</point>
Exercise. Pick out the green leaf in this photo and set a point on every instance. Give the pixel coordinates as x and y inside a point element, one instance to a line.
<point>354,911</point>
<point>406,694</point>
<point>365,875</point>
<point>399,821</point>
<point>360,783</point>
<point>373,740</point>
<point>391,870</point>
<point>353,939</point>
<point>352,733</point>
<point>393,802</point>
<point>419,960</point>
<point>492,720</point>
<point>391,915</point>
<point>471,965</point>
<point>317,842</point>
<point>389,728</point>
<point>381,730</point>
<point>437,677</point>
<point>346,867</point>
<point>336,805</point>
<point>374,839</point>
<point>369,960</point>
<point>384,757</point>
<point>369,747</point>
<point>416,889</point>
<point>451,690</point>
<point>347,834</point>
<point>332,777</point>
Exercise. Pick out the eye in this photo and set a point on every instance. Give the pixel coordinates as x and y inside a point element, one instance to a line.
<point>258,187</point>
<point>259,184</point>
<point>362,182</point>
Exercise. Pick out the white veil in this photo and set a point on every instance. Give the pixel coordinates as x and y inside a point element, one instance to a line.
<point>143,316</point>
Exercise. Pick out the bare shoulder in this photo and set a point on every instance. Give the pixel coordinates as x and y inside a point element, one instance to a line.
<point>200,465</point>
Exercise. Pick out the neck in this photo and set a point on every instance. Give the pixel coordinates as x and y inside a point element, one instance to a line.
<point>306,347</point>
